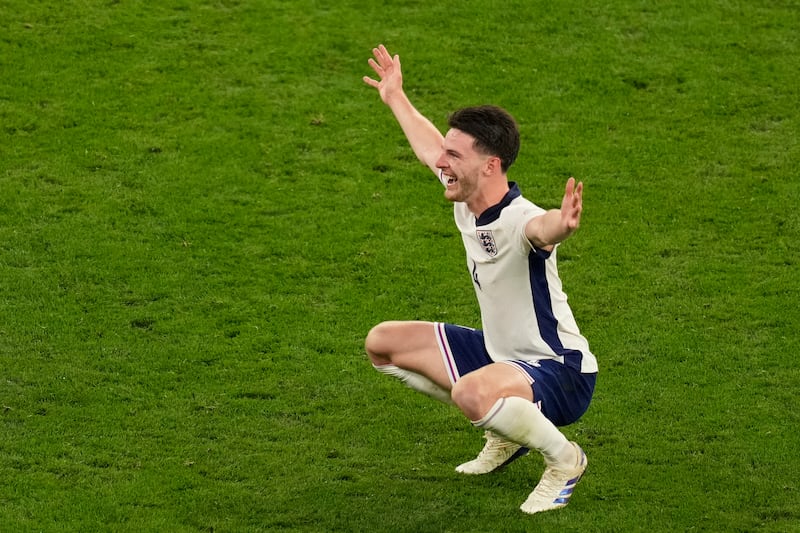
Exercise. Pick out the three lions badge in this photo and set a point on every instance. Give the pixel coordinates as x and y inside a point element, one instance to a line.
<point>486,239</point>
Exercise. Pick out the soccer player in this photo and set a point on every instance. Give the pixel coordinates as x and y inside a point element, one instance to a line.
<point>528,370</point>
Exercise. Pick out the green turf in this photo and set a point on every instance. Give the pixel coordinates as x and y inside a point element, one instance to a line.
<point>203,210</point>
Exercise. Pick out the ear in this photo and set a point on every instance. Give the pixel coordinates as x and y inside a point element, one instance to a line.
<point>493,165</point>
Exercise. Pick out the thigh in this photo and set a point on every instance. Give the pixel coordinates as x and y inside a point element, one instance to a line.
<point>476,392</point>
<point>411,345</point>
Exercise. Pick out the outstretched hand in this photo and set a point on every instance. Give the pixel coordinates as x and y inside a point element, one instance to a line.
<point>388,70</point>
<point>572,205</point>
<point>555,225</point>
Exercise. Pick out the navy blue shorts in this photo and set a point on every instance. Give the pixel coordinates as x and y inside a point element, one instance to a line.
<point>561,393</point>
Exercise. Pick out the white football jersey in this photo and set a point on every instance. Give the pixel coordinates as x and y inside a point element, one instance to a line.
<point>524,310</point>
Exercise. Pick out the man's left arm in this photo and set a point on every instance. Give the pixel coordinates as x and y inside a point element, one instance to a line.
<point>554,226</point>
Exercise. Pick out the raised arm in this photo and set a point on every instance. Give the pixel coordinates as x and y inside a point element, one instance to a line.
<point>424,137</point>
<point>549,229</point>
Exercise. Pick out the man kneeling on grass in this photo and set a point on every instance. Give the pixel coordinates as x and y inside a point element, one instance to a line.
<point>529,370</point>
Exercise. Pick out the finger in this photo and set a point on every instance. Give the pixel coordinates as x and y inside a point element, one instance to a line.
<point>569,197</point>
<point>386,60</point>
<point>369,81</point>
<point>381,55</point>
<point>377,68</point>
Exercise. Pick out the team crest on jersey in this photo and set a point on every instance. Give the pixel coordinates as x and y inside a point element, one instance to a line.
<point>486,239</point>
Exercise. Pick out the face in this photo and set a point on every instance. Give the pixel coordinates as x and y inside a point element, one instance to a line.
<point>461,166</point>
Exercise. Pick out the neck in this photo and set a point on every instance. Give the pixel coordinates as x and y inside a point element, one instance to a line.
<point>490,194</point>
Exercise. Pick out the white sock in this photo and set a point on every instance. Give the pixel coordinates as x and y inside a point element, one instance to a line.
<point>520,421</point>
<point>418,382</point>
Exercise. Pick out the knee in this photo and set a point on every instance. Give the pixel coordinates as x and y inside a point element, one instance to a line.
<point>474,396</point>
<point>376,344</point>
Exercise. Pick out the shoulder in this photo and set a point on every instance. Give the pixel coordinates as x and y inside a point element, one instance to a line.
<point>522,209</point>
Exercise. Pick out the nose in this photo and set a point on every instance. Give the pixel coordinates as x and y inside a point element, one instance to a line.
<point>442,161</point>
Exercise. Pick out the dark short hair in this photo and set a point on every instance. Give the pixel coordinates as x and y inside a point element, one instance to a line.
<point>494,129</point>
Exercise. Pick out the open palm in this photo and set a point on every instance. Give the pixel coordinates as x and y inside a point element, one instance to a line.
<point>389,73</point>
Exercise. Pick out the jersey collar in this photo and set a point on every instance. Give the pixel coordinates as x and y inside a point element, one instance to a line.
<point>493,213</point>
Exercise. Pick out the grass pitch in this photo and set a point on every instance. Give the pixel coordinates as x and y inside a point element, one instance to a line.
<point>203,210</point>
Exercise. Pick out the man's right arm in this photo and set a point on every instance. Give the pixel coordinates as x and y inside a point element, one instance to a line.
<point>424,137</point>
